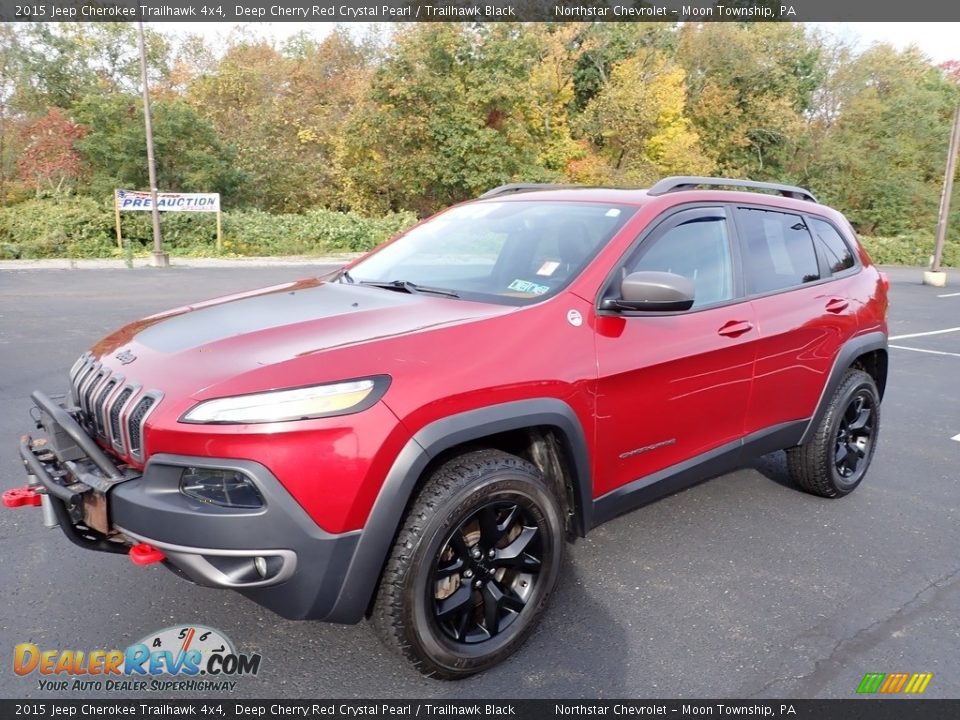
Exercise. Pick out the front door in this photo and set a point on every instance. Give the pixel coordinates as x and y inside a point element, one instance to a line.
<point>673,386</point>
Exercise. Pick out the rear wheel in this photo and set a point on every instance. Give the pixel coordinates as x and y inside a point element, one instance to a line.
<point>473,565</point>
<point>835,461</point>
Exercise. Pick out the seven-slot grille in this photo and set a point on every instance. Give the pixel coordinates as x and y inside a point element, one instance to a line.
<point>111,408</point>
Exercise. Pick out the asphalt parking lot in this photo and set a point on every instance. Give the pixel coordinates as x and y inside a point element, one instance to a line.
<point>740,587</point>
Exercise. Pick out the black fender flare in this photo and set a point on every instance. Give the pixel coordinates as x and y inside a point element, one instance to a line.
<point>849,352</point>
<point>376,539</point>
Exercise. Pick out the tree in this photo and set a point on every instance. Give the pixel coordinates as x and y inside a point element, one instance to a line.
<point>748,87</point>
<point>49,160</point>
<point>884,136</point>
<point>551,95</point>
<point>11,76</point>
<point>639,122</point>
<point>189,155</point>
<point>604,45</point>
<point>63,62</point>
<point>284,111</point>
<point>951,68</point>
<point>447,117</point>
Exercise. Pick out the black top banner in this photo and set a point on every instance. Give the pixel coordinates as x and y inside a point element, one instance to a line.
<point>477,10</point>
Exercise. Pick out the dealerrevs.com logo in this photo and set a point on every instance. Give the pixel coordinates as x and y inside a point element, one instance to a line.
<point>183,657</point>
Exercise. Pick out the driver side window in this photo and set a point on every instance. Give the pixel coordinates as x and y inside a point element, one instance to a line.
<point>698,249</point>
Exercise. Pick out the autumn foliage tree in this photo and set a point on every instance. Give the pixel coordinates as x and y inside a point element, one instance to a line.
<point>639,118</point>
<point>447,116</point>
<point>418,116</point>
<point>49,162</point>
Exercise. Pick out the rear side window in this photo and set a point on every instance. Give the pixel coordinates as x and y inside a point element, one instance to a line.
<point>778,250</point>
<point>834,248</point>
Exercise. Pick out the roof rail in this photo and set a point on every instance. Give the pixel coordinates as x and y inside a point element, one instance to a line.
<point>674,184</point>
<point>523,187</point>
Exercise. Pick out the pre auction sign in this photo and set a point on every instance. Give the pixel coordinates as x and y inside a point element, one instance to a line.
<point>127,200</point>
<point>169,202</point>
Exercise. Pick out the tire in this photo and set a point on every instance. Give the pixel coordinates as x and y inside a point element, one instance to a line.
<point>445,603</point>
<point>836,459</point>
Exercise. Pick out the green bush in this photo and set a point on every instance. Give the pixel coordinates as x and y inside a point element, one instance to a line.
<point>254,232</point>
<point>910,250</point>
<point>74,227</point>
<point>79,227</point>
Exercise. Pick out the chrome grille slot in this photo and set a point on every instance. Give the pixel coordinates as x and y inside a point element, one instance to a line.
<point>79,365</point>
<point>90,395</point>
<point>82,376</point>
<point>115,411</point>
<point>98,422</point>
<point>91,379</point>
<point>138,417</point>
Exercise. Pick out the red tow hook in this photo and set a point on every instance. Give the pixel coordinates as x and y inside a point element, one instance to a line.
<point>143,554</point>
<point>21,496</point>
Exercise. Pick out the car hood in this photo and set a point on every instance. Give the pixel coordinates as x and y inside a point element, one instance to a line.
<point>202,344</point>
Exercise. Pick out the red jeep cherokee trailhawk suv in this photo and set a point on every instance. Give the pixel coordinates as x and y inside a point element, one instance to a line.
<point>413,438</point>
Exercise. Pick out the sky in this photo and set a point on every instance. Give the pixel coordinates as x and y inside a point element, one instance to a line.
<point>937,40</point>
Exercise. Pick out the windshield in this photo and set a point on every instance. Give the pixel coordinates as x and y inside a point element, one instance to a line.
<point>514,252</point>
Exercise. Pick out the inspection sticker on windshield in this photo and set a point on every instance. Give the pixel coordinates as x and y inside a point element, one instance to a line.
<point>548,268</point>
<point>525,286</point>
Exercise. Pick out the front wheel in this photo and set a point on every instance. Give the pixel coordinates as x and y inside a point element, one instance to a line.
<point>473,565</point>
<point>836,459</point>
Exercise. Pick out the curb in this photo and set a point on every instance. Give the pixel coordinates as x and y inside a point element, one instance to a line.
<point>178,262</point>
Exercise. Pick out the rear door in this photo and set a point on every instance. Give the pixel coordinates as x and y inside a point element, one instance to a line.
<point>801,306</point>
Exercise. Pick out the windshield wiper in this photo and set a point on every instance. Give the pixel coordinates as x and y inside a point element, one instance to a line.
<point>409,287</point>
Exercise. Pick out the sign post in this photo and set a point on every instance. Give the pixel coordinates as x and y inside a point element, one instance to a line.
<point>116,213</point>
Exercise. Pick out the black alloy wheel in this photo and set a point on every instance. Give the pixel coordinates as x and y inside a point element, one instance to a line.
<point>486,571</point>
<point>855,436</point>
<point>473,565</point>
<point>835,458</point>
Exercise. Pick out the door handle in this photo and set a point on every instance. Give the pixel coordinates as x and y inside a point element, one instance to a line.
<point>837,305</point>
<point>735,328</point>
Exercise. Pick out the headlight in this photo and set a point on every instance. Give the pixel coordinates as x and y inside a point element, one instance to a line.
<point>298,404</point>
<point>220,487</point>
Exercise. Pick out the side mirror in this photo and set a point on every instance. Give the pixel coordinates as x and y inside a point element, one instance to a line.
<point>653,292</point>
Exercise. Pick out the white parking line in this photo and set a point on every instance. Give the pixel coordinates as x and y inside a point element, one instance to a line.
<point>956,437</point>
<point>932,352</point>
<point>924,334</point>
<point>949,295</point>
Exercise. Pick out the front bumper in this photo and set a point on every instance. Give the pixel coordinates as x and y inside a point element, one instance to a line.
<point>275,555</point>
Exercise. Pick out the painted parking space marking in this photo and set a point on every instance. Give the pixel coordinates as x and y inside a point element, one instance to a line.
<point>925,334</point>
<point>956,437</point>
<point>950,295</point>
<point>923,350</point>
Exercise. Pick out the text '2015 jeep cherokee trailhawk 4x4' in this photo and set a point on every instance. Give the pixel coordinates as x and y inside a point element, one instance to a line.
<point>414,437</point>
